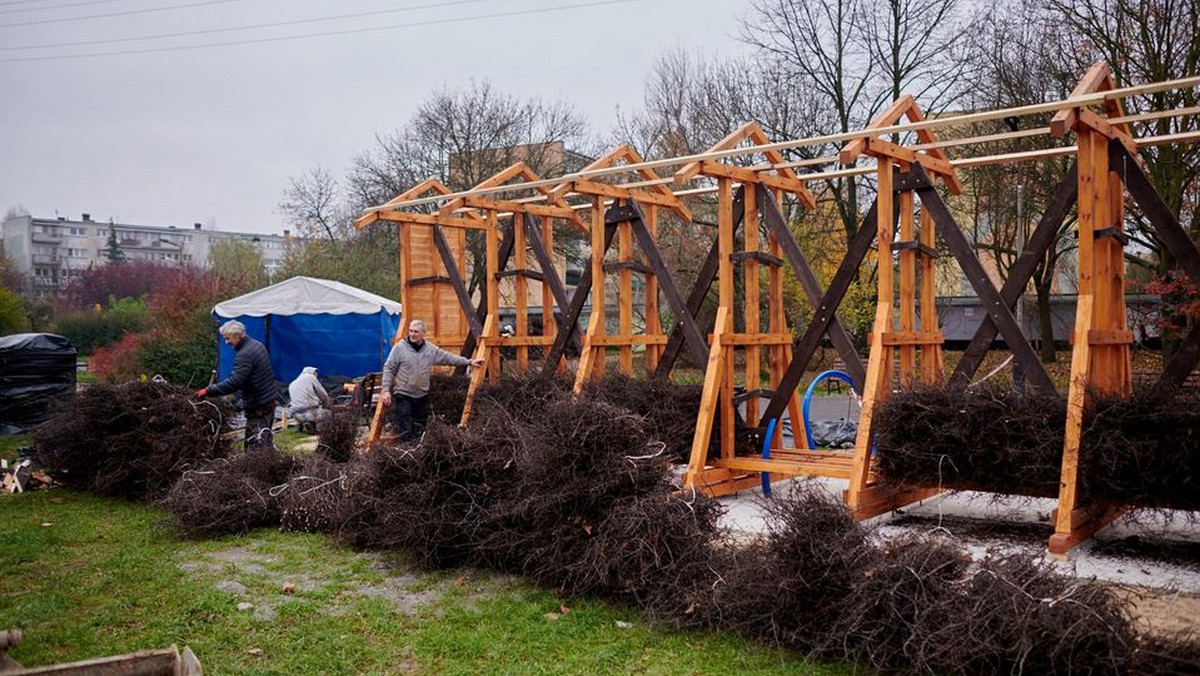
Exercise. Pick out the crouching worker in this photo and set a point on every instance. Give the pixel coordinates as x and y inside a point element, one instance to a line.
<point>310,401</point>
<point>406,378</point>
<point>253,377</point>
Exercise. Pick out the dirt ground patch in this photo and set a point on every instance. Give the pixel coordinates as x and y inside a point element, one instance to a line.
<point>261,579</point>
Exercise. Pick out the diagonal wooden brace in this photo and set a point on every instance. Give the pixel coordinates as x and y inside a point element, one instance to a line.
<point>1018,276</point>
<point>823,316</point>
<point>999,311</point>
<point>838,335</point>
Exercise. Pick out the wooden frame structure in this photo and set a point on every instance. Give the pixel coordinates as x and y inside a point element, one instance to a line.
<point>628,218</point>
<point>429,262</point>
<point>905,341</point>
<point>756,205</point>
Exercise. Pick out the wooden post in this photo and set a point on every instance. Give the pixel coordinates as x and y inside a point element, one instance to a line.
<point>493,294</point>
<point>725,300</point>
<point>878,382</point>
<point>522,291</point>
<point>625,296</point>
<point>753,322</point>
<point>549,322</point>
<point>931,355</point>
<point>653,321</point>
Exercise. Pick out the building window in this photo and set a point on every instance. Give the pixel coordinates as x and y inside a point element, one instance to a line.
<point>76,253</point>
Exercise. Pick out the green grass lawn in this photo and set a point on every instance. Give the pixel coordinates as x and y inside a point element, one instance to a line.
<point>86,577</point>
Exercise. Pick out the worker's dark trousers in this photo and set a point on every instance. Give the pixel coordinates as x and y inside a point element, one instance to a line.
<point>258,428</point>
<point>411,415</point>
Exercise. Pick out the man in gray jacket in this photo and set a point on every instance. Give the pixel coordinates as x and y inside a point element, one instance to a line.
<point>406,377</point>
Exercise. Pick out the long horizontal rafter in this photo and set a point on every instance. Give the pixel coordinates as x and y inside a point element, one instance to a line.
<point>927,124</point>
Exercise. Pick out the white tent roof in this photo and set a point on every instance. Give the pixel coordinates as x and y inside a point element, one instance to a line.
<point>306,295</point>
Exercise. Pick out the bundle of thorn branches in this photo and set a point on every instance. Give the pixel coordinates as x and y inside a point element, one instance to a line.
<point>311,500</point>
<point>339,435</point>
<point>447,394</point>
<point>822,584</point>
<point>670,410</point>
<point>230,495</point>
<point>572,494</point>
<point>1144,450</point>
<point>984,437</point>
<point>131,441</point>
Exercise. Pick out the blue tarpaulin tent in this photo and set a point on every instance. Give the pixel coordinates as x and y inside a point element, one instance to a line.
<point>303,321</point>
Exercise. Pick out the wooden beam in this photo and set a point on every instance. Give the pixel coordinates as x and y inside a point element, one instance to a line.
<point>1090,83</point>
<point>838,335</point>
<point>988,295</point>
<point>1020,274</point>
<point>855,148</point>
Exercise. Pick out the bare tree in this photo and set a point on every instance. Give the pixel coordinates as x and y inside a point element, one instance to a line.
<point>314,206</point>
<point>463,137</point>
<point>1016,59</point>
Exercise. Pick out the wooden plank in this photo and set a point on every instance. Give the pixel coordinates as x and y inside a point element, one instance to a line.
<point>408,218</point>
<point>598,327</point>
<point>931,355</point>
<point>491,329</point>
<point>625,295</point>
<point>1110,336</point>
<point>704,281</point>
<point>988,295</point>
<point>1091,82</point>
<point>628,340</point>
<point>1020,273</point>
<point>753,322</point>
<point>688,171</point>
<point>691,332</point>
<point>910,338</point>
<point>773,218</point>
<point>1068,492</point>
<point>823,315</point>
<point>708,405</point>
<point>653,321</point>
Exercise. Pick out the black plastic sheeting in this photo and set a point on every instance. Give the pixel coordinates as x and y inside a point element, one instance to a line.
<point>37,371</point>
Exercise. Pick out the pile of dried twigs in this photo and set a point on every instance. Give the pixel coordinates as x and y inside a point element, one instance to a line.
<point>230,495</point>
<point>1142,451</point>
<point>131,441</point>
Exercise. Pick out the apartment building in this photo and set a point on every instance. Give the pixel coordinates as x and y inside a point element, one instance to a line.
<point>51,250</point>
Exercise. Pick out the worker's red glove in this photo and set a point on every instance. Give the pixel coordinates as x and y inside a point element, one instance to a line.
<point>201,393</point>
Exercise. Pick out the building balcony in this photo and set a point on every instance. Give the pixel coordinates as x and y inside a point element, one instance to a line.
<point>43,238</point>
<point>43,259</point>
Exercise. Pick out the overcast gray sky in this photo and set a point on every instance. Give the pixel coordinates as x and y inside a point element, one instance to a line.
<point>172,137</point>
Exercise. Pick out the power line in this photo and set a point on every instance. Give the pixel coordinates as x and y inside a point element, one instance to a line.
<point>349,31</point>
<point>273,24</point>
<point>128,12</point>
<point>50,8</point>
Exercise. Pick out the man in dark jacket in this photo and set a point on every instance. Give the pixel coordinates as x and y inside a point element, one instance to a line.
<point>253,377</point>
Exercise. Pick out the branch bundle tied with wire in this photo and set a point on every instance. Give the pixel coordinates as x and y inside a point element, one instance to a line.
<point>230,495</point>
<point>822,584</point>
<point>1141,451</point>
<point>985,437</point>
<point>338,436</point>
<point>574,495</point>
<point>131,441</point>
